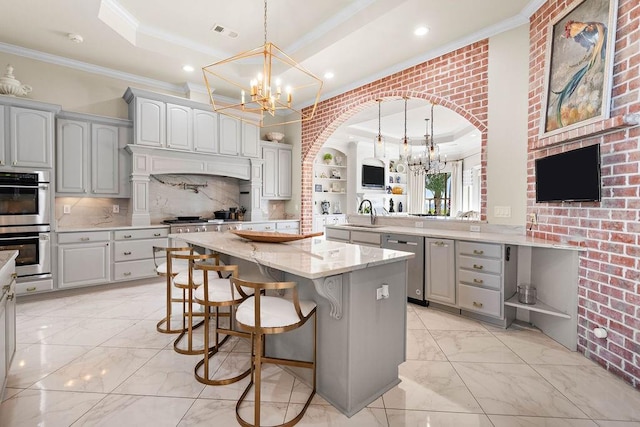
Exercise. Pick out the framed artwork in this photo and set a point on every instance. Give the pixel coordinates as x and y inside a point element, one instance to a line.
<point>579,66</point>
<point>318,188</point>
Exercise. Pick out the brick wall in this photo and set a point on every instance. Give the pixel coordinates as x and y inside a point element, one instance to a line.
<point>457,81</point>
<point>609,278</point>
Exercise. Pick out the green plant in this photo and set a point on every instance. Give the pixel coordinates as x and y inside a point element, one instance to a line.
<point>436,184</point>
<point>327,157</point>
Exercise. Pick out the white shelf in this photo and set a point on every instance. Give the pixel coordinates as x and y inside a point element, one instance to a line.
<point>331,179</point>
<point>331,165</point>
<point>539,306</point>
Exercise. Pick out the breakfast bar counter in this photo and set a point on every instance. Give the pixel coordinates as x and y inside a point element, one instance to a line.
<point>361,334</point>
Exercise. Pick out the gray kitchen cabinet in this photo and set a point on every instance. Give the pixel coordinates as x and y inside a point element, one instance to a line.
<point>90,156</point>
<point>84,258</point>
<point>250,140</point>
<point>230,133</point>
<point>7,320</point>
<point>179,127</point>
<point>292,227</point>
<point>150,119</point>
<point>205,131</point>
<point>133,252</point>
<point>276,171</point>
<point>30,138</point>
<point>440,282</point>
<point>482,271</point>
<point>3,141</point>
<point>365,238</point>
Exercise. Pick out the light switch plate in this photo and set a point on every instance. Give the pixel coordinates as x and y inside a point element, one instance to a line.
<point>66,209</point>
<point>116,208</point>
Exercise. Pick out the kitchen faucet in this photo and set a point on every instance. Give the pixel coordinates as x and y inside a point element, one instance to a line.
<point>372,212</point>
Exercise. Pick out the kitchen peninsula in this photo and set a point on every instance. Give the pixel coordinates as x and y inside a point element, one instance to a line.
<point>361,338</point>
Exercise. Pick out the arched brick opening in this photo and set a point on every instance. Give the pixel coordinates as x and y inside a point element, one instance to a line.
<point>354,106</point>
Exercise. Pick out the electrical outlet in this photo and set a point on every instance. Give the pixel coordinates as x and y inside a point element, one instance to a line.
<point>474,228</point>
<point>66,209</point>
<point>116,208</point>
<point>533,217</point>
<point>418,224</point>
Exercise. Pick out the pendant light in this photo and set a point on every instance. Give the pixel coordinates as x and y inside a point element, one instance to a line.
<point>404,142</point>
<point>379,142</point>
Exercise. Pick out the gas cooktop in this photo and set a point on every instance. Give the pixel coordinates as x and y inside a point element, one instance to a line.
<point>192,220</point>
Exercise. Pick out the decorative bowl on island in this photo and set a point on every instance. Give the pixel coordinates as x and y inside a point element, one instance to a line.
<point>275,136</point>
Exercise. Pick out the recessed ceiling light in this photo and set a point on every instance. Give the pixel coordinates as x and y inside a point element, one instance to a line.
<point>421,31</point>
<point>329,75</point>
<point>188,68</point>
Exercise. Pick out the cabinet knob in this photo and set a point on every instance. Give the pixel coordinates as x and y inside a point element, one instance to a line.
<point>127,236</point>
<point>479,281</point>
<point>478,252</point>
<point>128,253</point>
<point>439,243</point>
<point>156,234</point>
<point>477,304</point>
<point>31,289</point>
<point>128,273</point>
<point>478,267</point>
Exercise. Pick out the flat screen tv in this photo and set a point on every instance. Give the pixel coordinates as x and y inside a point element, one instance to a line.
<point>372,176</point>
<point>573,176</point>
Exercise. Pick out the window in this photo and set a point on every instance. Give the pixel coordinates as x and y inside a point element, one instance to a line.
<point>437,194</point>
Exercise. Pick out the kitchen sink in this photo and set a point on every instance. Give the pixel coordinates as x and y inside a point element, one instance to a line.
<point>363,225</point>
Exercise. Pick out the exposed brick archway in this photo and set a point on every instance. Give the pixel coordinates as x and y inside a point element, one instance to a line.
<point>457,80</point>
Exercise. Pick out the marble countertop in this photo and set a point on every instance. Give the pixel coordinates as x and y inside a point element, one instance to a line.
<point>311,258</point>
<point>131,227</point>
<point>503,238</point>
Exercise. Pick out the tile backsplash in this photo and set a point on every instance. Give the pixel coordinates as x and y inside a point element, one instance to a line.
<point>91,212</point>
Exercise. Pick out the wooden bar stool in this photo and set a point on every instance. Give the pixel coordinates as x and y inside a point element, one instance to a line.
<point>263,315</point>
<point>218,291</point>
<point>169,269</point>
<point>188,281</point>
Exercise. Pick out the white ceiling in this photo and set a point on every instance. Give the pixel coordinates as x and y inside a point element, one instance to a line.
<point>150,40</point>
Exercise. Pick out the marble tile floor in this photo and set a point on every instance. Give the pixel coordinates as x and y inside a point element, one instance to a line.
<point>94,358</point>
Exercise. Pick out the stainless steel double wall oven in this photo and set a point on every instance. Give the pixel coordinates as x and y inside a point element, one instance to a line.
<point>25,221</point>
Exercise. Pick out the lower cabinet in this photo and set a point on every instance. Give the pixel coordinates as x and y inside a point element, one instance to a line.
<point>292,227</point>
<point>133,252</point>
<point>7,320</point>
<point>84,258</point>
<point>440,280</point>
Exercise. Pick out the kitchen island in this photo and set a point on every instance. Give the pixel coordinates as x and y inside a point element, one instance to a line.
<point>361,336</point>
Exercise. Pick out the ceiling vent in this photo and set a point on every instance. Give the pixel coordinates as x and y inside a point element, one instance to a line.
<point>220,29</point>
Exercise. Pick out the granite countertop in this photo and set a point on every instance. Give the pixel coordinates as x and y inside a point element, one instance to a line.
<point>489,237</point>
<point>311,258</point>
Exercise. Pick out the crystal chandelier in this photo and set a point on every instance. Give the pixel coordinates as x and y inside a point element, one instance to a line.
<point>379,143</point>
<point>276,78</point>
<point>429,159</point>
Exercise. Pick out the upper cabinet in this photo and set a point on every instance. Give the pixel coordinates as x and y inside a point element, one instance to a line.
<point>229,135</point>
<point>250,140</point>
<point>164,121</point>
<point>150,119</point>
<point>26,136</point>
<point>90,156</point>
<point>205,131</point>
<point>179,127</point>
<point>276,171</point>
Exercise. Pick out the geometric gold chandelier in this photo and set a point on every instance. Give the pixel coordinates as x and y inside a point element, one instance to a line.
<point>269,84</point>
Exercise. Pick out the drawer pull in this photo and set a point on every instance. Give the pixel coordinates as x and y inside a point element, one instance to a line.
<point>479,281</point>
<point>439,243</point>
<point>31,289</point>
<point>477,252</point>
<point>127,236</point>
<point>85,239</point>
<point>478,267</point>
<point>128,253</point>
<point>128,273</point>
<point>157,234</point>
<point>477,304</point>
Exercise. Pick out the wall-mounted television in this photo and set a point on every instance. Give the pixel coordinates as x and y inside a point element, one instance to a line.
<point>572,176</point>
<point>372,176</point>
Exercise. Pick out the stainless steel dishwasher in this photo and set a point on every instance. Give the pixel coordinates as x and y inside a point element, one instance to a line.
<point>415,279</point>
